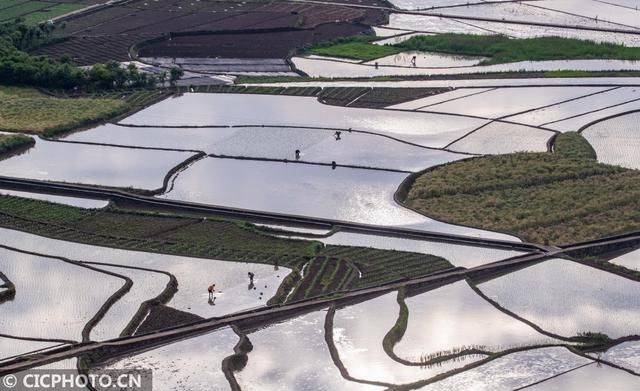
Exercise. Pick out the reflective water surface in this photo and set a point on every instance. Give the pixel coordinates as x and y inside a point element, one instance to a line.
<point>569,298</point>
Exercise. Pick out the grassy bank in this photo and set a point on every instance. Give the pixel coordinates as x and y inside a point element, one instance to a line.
<point>13,143</point>
<point>329,269</point>
<point>30,111</point>
<point>501,49</point>
<point>498,49</point>
<point>556,198</point>
<point>358,48</point>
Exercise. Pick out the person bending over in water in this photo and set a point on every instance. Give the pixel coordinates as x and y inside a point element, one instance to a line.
<point>211,290</point>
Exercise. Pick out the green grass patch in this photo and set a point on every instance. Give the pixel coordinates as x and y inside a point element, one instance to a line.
<point>552,74</point>
<point>497,48</point>
<point>29,111</point>
<point>12,143</point>
<point>573,145</point>
<point>50,13</point>
<point>501,49</point>
<point>357,48</point>
<point>557,198</point>
<point>22,9</point>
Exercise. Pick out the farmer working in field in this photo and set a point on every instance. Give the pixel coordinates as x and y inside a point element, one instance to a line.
<point>211,289</point>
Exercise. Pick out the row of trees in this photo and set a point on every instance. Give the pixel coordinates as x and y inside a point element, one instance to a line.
<point>17,67</point>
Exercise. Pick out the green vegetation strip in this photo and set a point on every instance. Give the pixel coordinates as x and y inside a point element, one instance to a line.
<point>13,143</point>
<point>358,48</point>
<point>221,239</point>
<point>30,111</point>
<point>50,13</point>
<point>558,198</point>
<point>497,48</point>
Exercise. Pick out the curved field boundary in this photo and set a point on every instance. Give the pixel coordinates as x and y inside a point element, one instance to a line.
<point>150,203</point>
<point>106,306</point>
<point>421,383</point>
<point>590,124</point>
<point>124,346</point>
<point>164,297</point>
<point>592,111</point>
<point>239,358</point>
<point>405,186</point>
<point>9,291</point>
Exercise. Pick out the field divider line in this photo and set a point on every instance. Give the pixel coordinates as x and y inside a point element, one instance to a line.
<point>111,145</point>
<point>264,159</point>
<point>117,295</point>
<point>554,376</point>
<point>590,124</point>
<point>304,306</point>
<point>458,98</point>
<point>478,18</point>
<point>561,102</point>
<point>163,298</point>
<point>580,16</point>
<point>592,111</point>
<point>372,133</point>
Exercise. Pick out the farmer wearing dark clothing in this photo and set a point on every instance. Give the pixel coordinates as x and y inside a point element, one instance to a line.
<point>337,135</point>
<point>251,275</point>
<point>297,154</point>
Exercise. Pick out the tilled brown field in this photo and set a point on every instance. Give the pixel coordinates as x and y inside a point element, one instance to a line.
<point>108,33</point>
<point>275,44</point>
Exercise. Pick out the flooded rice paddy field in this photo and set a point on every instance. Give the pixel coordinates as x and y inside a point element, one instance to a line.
<point>54,299</point>
<point>616,140</point>
<point>630,260</point>
<point>346,194</point>
<point>455,339</point>
<point>462,320</point>
<point>592,301</point>
<point>500,333</point>
<point>433,64</point>
<point>193,364</point>
<point>626,355</point>
<point>488,19</point>
<point>194,275</point>
<point>105,166</point>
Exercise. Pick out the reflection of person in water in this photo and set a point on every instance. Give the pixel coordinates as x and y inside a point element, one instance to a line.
<point>337,135</point>
<point>212,301</point>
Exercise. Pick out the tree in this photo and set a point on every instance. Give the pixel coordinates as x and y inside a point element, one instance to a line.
<point>174,75</point>
<point>162,77</point>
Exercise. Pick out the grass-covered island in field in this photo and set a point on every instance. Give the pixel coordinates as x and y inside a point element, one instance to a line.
<point>11,143</point>
<point>557,198</point>
<point>497,48</point>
